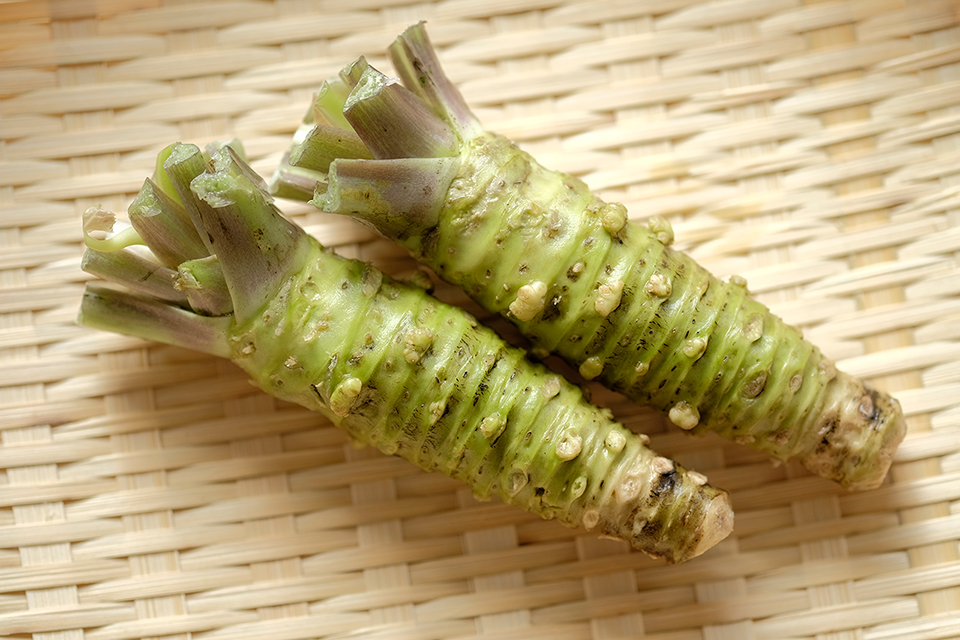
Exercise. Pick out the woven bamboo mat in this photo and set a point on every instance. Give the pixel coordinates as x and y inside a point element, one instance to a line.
<point>812,147</point>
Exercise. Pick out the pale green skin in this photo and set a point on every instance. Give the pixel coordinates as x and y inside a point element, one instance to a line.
<point>416,378</point>
<point>507,222</point>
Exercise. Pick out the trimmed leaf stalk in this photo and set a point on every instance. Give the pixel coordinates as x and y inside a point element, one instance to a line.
<point>608,295</point>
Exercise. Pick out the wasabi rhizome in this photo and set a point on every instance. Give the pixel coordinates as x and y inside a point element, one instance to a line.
<point>391,365</point>
<point>581,280</point>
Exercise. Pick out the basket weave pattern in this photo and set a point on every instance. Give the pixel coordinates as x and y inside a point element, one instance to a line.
<point>812,147</point>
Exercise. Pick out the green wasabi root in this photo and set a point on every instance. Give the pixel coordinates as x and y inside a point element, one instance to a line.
<point>606,294</point>
<point>623,307</point>
<point>422,380</point>
<point>397,369</point>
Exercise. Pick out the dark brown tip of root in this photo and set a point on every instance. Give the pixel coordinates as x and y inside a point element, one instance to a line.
<point>857,436</point>
<point>694,517</point>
